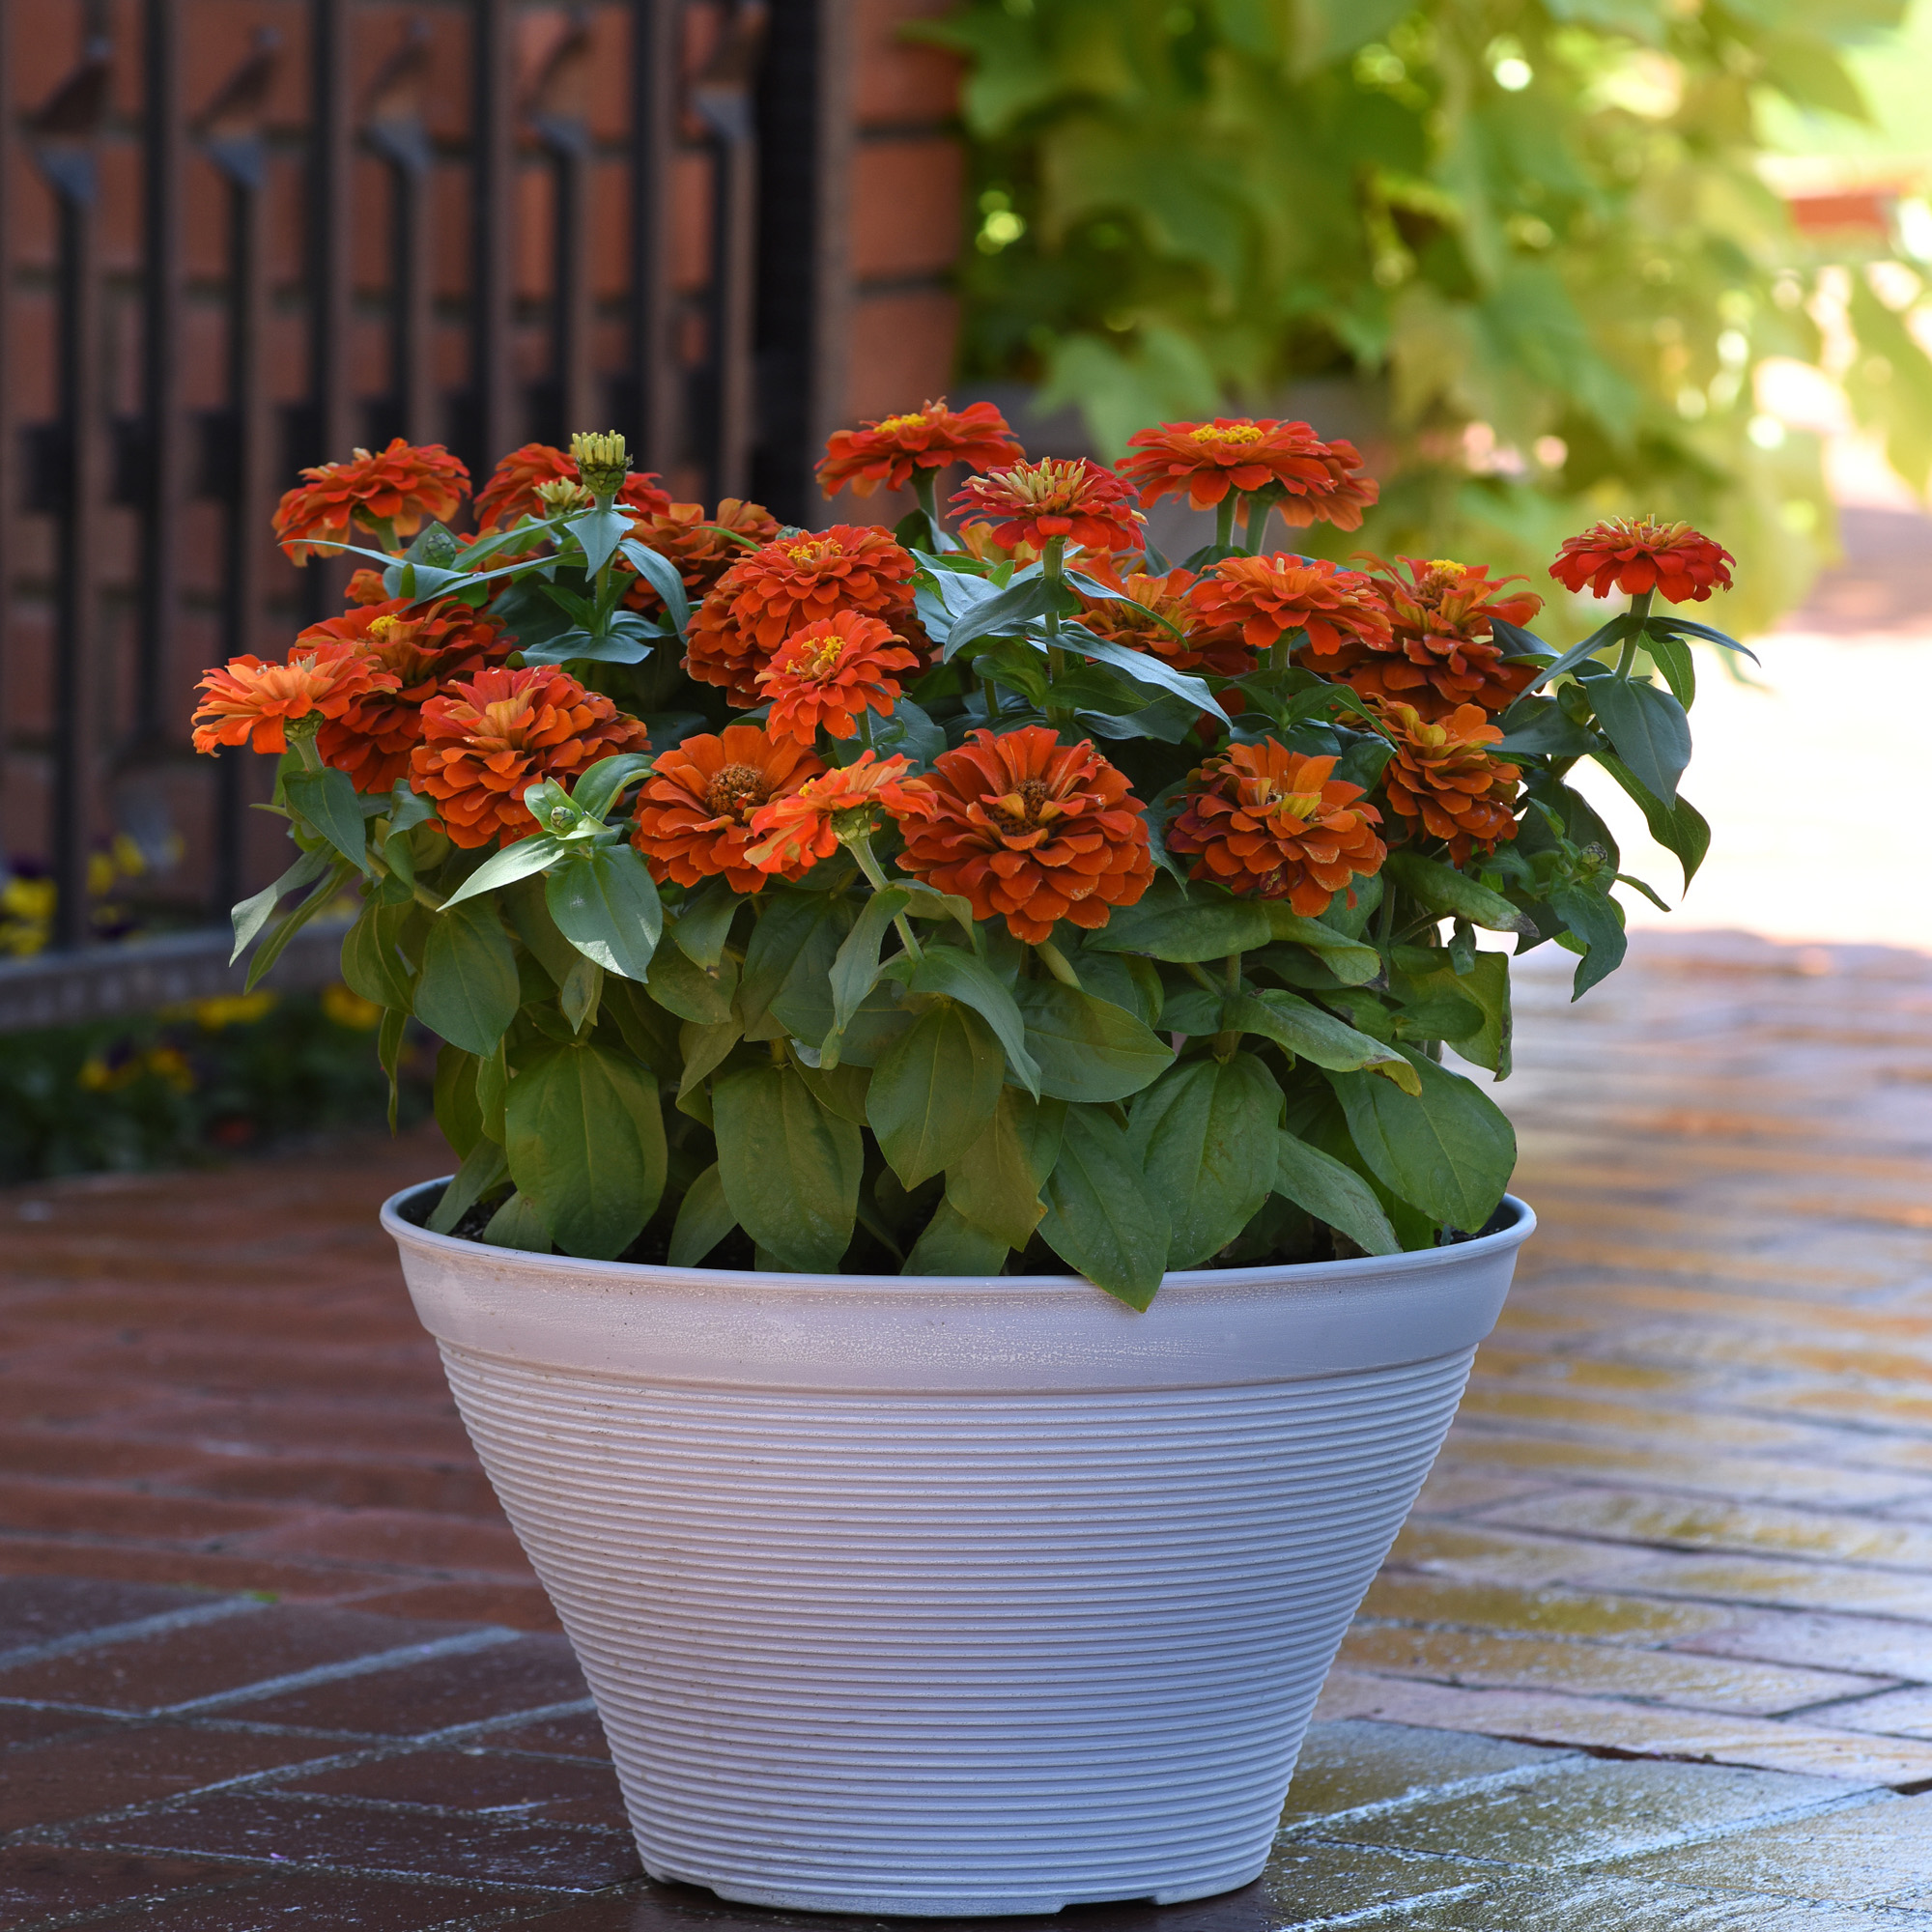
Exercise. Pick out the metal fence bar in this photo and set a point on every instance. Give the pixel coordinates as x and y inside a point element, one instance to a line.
<point>495,420</point>
<point>328,425</point>
<point>163,479</point>
<point>65,129</point>
<point>656,28</point>
<point>558,115</point>
<point>393,127</point>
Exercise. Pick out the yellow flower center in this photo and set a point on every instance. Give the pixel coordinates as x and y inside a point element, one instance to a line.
<point>811,551</point>
<point>1049,484</point>
<point>817,658</point>
<point>895,425</point>
<point>1026,807</point>
<point>385,626</point>
<point>1236,432</point>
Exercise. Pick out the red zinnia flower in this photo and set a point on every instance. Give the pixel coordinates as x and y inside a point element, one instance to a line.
<point>796,581</point>
<point>1271,823</point>
<point>829,672</point>
<point>797,830</point>
<point>1340,610</point>
<point>1036,502</point>
<point>422,649</point>
<point>890,450</point>
<point>391,492</point>
<point>1444,776</point>
<point>1316,481</point>
<point>694,813</point>
<point>486,741</point>
<point>1033,829</point>
<point>1442,652</point>
<point>249,702</point>
<point>1204,643</point>
<point>1635,554</point>
<point>511,492</point>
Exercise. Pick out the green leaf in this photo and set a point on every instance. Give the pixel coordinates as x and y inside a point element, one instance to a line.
<point>605,904</point>
<point>703,923</point>
<point>1649,730</point>
<point>688,990</point>
<point>1306,1031</point>
<point>1673,657</point>
<point>372,966</point>
<point>1444,1016</point>
<point>1184,927</point>
<point>327,803</point>
<point>996,1182</point>
<point>662,575</point>
<point>519,1223</point>
<point>934,1094</point>
<point>952,1245</point>
<point>1204,1135</point>
<point>253,914</point>
<point>272,950</point>
<point>1145,669</point>
<point>579,996</point>
<point>840,1090</point>
<point>1593,917</point>
<point>513,863</point>
<point>484,1166</point>
<point>586,1146</point>
<point>704,1219</point>
<point>1487,987</point>
<point>599,786</point>
<point>1614,632</point>
<point>467,991</point>
<point>1003,612</point>
<point>1334,1193</point>
<point>790,1168</point>
<point>855,966</point>
<point>1680,828</point>
<point>1539,728</point>
<point>1449,1149</point>
<point>1087,1049</point>
<point>492,1093</point>
<point>1446,893</point>
<point>705,1049</point>
<point>1349,960</point>
<point>390,1053</point>
<point>457,1111</point>
<point>961,976</point>
<point>600,532</point>
<point>787,982</point>
<point>1101,1216</point>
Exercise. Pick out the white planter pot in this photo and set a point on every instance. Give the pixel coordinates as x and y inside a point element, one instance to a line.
<point>955,1596</point>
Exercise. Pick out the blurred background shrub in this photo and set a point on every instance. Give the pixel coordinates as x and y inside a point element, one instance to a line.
<point>1530,255</point>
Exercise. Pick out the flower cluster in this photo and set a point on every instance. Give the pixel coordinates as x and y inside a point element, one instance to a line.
<point>1009,808</point>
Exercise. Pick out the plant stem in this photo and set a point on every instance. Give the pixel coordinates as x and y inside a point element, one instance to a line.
<point>1223,520</point>
<point>1233,970</point>
<point>1639,609</point>
<point>1051,568</point>
<point>925,484</point>
<point>1056,962</point>
<point>866,727</point>
<point>989,693</point>
<point>1259,509</point>
<point>862,850</point>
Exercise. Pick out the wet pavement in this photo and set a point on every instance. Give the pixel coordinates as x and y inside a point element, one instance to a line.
<point>1656,1650</point>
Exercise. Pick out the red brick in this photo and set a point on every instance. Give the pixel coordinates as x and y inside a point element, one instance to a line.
<point>416,1539</point>
<point>902,354</point>
<point>905,207</point>
<point>37,1881</point>
<point>898,80</point>
<point>519,1606</point>
<point>479,1780</point>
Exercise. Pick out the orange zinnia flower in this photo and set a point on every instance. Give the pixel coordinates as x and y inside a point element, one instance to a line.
<point>487,741</point>
<point>797,579</point>
<point>1340,610</point>
<point>1203,645</point>
<point>797,830</point>
<point>696,810</point>
<point>887,451</point>
<point>1444,776</point>
<point>1635,554</point>
<point>511,492</point>
<point>422,649</point>
<point>252,703</point>
<point>1442,652</point>
<point>829,672</point>
<point>1271,823</point>
<point>1316,481</point>
<point>366,586</point>
<point>1051,501</point>
<point>1033,829</point>
<point>389,493</point>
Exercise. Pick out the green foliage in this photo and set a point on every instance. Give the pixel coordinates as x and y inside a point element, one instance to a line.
<point>1540,217</point>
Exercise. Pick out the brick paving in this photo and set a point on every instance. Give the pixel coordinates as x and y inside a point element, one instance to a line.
<point>1656,1650</point>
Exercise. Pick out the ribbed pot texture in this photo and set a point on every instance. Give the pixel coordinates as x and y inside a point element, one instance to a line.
<point>955,1596</point>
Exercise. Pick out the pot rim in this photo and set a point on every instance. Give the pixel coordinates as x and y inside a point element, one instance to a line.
<point>1356,1268</point>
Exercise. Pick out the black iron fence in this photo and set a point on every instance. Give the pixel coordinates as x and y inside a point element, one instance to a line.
<point>207,317</point>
